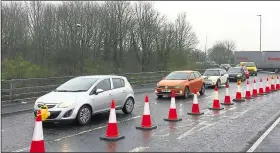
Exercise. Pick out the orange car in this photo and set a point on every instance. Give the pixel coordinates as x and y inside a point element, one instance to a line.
<point>182,83</point>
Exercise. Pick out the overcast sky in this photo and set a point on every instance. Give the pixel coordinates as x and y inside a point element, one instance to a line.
<point>234,20</point>
<point>237,21</point>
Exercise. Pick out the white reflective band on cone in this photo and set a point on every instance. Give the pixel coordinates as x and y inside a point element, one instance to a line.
<point>146,109</point>
<point>38,131</point>
<point>238,88</point>
<point>172,104</point>
<point>272,81</point>
<point>195,101</point>
<point>112,118</point>
<point>247,87</point>
<point>216,95</point>
<point>254,86</point>
<point>277,81</point>
<point>227,92</point>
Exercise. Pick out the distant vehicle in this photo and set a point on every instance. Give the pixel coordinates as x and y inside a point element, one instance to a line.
<point>215,77</point>
<point>183,83</point>
<point>236,73</point>
<point>251,66</point>
<point>225,66</point>
<point>246,72</point>
<point>81,97</point>
<point>265,60</point>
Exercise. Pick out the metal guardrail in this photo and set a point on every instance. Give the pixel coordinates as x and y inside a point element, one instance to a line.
<point>24,89</point>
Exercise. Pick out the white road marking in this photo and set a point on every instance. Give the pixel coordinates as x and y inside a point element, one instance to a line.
<point>23,102</point>
<point>242,113</point>
<point>138,149</point>
<point>259,141</point>
<point>191,130</point>
<point>72,135</point>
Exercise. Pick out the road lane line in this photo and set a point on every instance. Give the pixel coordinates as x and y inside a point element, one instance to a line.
<point>259,141</point>
<point>192,129</point>
<point>72,135</point>
<point>138,149</point>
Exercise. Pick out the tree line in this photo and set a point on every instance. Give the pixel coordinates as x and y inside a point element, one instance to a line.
<point>40,39</point>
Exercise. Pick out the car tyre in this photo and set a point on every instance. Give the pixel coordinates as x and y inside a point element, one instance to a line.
<point>84,115</point>
<point>186,92</point>
<point>202,90</point>
<point>128,105</point>
<point>218,84</point>
<point>159,96</point>
<point>256,74</point>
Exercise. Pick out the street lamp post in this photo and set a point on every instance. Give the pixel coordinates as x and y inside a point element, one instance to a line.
<point>81,48</point>
<point>260,32</point>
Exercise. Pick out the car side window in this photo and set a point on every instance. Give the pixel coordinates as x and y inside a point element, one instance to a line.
<point>192,76</point>
<point>118,83</point>
<point>104,85</point>
<point>197,74</point>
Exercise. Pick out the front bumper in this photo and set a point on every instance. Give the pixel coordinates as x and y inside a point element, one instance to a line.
<point>161,92</point>
<point>210,83</point>
<point>60,114</point>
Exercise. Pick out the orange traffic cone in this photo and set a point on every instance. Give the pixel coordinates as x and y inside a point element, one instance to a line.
<point>255,90</point>
<point>227,100</point>
<point>267,88</point>
<point>146,118</point>
<point>238,95</point>
<point>216,102</point>
<point>38,144</point>
<point>195,106</point>
<point>277,83</point>
<point>172,116</point>
<point>272,86</point>
<point>261,89</point>
<point>112,133</point>
<point>248,92</point>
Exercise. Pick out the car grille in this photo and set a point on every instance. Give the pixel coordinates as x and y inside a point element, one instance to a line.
<point>54,114</point>
<point>49,105</point>
<point>168,87</point>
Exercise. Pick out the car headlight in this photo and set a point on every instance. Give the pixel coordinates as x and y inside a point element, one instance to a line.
<point>238,75</point>
<point>157,85</point>
<point>178,86</point>
<point>64,105</point>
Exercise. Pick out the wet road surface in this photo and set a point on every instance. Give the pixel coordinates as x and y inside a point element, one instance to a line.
<point>234,129</point>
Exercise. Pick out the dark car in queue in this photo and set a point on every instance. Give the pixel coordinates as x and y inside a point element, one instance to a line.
<point>236,73</point>
<point>225,66</point>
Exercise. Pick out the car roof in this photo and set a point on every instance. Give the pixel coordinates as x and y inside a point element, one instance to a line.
<point>100,76</point>
<point>187,71</point>
<point>215,69</point>
<point>236,67</point>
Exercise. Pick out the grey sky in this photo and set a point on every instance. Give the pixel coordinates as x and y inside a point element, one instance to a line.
<point>235,20</point>
<point>230,20</point>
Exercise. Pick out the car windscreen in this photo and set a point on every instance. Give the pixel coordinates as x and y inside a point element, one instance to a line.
<point>250,64</point>
<point>77,85</point>
<point>211,73</point>
<point>177,76</point>
<point>234,70</point>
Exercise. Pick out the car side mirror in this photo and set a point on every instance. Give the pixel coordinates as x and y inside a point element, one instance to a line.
<point>222,74</point>
<point>98,91</point>
<point>163,78</point>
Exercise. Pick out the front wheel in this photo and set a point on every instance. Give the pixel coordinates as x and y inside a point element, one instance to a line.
<point>159,96</point>
<point>218,84</point>
<point>84,115</point>
<point>202,90</point>
<point>187,92</point>
<point>128,106</point>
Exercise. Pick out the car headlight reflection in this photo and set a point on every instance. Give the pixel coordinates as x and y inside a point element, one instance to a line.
<point>64,105</point>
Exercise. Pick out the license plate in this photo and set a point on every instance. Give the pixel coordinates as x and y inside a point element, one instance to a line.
<point>165,90</point>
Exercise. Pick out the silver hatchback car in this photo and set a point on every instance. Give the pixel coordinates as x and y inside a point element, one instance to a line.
<point>81,97</point>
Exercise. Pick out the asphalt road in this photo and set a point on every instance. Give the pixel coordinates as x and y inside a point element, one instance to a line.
<point>233,129</point>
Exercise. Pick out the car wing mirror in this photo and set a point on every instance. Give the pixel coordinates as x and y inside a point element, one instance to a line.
<point>163,78</point>
<point>222,74</point>
<point>99,91</point>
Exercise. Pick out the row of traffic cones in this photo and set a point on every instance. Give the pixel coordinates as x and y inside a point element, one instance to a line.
<point>112,134</point>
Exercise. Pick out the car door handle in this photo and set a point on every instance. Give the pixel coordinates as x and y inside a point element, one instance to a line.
<point>123,91</point>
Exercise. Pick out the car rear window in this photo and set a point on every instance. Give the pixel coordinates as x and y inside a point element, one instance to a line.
<point>234,70</point>
<point>249,64</point>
